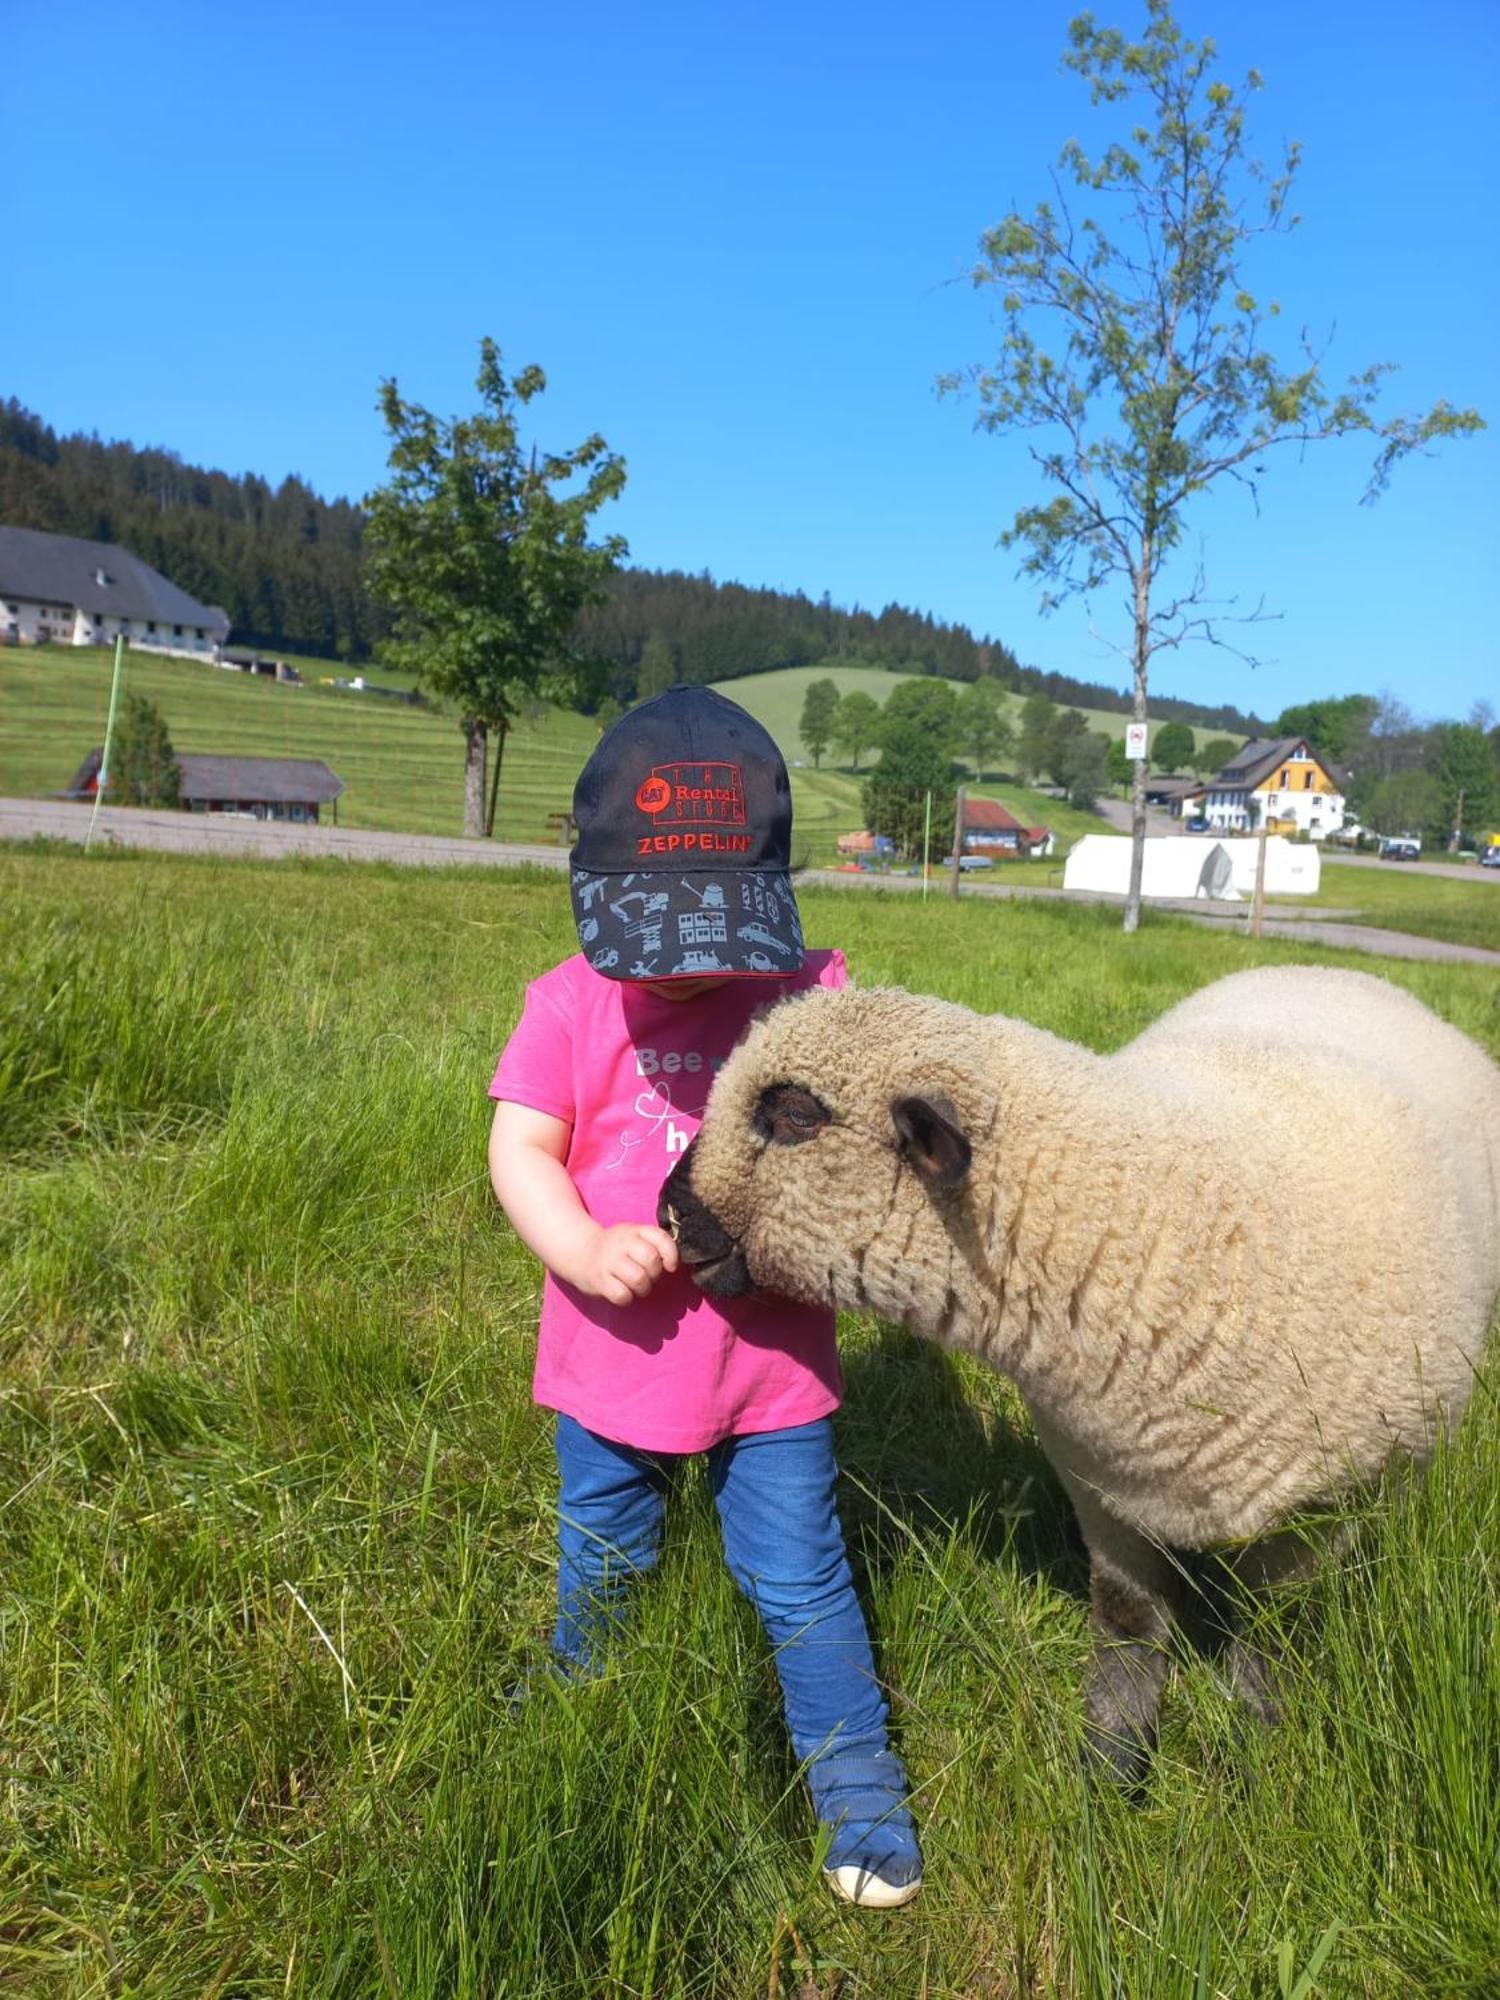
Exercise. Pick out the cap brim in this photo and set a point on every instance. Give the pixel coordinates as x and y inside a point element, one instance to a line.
<point>669,925</point>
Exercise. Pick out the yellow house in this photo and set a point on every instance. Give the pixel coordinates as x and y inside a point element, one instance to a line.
<point>1283,785</point>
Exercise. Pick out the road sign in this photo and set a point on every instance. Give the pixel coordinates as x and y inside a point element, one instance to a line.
<point>1135,740</point>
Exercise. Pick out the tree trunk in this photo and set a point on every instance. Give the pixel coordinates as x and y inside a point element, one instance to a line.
<point>476,744</point>
<point>1138,714</point>
<point>502,730</point>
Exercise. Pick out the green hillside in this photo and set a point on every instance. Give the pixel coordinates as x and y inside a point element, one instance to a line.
<point>776,700</point>
<point>402,767</point>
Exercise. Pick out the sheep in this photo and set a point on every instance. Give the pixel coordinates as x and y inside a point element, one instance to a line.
<point>1233,1267</point>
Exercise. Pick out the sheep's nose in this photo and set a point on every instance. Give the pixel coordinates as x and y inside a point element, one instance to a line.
<point>677,1206</point>
<point>708,1251</point>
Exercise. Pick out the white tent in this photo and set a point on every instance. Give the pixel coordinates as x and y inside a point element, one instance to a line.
<point>1186,867</point>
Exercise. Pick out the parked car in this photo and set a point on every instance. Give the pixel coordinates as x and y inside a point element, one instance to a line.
<point>1400,850</point>
<point>1489,857</point>
<point>1197,825</point>
<point>968,861</point>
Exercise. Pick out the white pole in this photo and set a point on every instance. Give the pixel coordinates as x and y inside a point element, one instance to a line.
<point>926,845</point>
<point>109,736</point>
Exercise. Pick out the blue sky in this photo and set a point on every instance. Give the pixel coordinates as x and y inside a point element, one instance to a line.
<point>738,243</point>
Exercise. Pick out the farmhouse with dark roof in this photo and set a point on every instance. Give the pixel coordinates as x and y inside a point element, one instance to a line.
<point>1284,786</point>
<point>58,590</point>
<point>291,788</point>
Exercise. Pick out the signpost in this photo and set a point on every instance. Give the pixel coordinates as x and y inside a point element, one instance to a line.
<point>1135,741</point>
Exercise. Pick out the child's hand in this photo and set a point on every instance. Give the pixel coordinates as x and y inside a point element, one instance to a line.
<point>626,1260</point>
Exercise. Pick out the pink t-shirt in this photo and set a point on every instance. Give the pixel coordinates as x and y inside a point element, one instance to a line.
<point>630,1072</point>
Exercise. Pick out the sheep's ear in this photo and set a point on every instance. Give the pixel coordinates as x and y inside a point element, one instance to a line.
<point>932,1139</point>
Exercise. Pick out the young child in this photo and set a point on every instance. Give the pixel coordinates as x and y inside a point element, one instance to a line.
<point>685,912</point>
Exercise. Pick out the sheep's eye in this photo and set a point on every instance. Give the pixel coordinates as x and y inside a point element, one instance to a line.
<point>788,1115</point>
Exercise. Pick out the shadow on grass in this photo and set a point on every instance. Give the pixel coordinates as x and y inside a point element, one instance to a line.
<point>928,1454</point>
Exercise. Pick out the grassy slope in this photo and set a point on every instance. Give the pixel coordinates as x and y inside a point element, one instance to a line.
<point>403,767</point>
<point>274,1542</point>
<point>776,700</point>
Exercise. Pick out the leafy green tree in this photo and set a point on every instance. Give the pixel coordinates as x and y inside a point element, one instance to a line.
<point>1333,727</point>
<point>929,705</point>
<point>1466,790</point>
<point>1119,769</point>
<point>819,706</point>
<point>658,669</point>
<point>1159,383</point>
<point>1038,714</point>
<point>1173,747</point>
<point>984,727</point>
<point>1214,755</point>
<point>1085,768</point>
<point>1406,802</point>
<point>1067,725</point>
<point>856,724</point>
<point>895,794</point>
<point>143,769</point>
<point>482,550</point>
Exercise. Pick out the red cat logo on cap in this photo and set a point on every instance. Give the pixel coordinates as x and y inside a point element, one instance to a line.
<point>694,794</point>
<point>655,795</point>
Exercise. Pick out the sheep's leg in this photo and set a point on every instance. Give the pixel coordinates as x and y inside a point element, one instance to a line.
<point>1133,1588</point>
<point>1256,1572</point>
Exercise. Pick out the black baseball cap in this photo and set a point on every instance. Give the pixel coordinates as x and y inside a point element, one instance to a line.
<point>682,864</point>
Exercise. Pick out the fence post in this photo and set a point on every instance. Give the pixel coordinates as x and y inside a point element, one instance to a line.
<point>958,838</point>
<point>1258,900</point>
<point>109,737</point>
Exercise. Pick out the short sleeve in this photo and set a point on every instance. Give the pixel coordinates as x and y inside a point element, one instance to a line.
<point>835,973</point>
<point>536,1064</point>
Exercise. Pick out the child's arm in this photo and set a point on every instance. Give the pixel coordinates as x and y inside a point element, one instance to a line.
<point>619,1263</point>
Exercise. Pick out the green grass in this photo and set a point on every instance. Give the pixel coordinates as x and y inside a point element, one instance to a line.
<point>402,767</point>
<point>275,1533</point>
<point>1435,906</point>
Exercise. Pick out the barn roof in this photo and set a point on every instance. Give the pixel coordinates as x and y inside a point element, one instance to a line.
<point>63,569</point>
<point>254,780</point>
<point>989,816</point>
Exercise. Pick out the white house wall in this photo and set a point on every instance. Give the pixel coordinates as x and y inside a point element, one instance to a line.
<point>29,622</point>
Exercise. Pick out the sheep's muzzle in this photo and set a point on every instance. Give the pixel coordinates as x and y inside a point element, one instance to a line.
<point>706,1248</point>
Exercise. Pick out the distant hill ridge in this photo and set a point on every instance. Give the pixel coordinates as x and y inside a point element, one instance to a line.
<point>287,566</point>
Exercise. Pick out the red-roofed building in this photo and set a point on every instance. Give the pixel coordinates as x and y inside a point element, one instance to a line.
<point>990,829</point>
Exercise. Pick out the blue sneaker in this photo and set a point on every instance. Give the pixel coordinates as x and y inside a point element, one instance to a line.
<point>873,1858</point>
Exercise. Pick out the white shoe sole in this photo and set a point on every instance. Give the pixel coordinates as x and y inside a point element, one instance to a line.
<point>867,1891</point>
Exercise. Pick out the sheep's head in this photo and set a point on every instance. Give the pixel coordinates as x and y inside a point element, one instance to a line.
<point>834,1153</point>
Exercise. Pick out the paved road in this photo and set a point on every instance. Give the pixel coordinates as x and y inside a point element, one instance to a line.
<point>222,833</point>
<point>219,833</point>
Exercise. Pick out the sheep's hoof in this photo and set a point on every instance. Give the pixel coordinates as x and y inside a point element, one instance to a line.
<point>1119,1758</point>
<point>1250,1681</point>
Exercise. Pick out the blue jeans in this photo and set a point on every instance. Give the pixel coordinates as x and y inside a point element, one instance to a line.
<point>775,1494</point>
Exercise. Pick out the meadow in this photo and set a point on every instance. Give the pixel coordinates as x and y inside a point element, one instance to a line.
<point>403,767</point>
<point>275,1547</point>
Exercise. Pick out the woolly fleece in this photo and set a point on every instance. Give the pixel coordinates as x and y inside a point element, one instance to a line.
<point>1232,1266</point>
